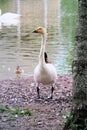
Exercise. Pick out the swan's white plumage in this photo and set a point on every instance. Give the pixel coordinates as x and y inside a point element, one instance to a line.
<point>44,73</point>
<point>8,18</point>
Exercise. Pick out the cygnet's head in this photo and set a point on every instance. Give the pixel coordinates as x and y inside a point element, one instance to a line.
<point>40,30</point>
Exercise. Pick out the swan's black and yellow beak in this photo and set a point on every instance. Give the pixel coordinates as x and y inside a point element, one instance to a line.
<point>34,31</point>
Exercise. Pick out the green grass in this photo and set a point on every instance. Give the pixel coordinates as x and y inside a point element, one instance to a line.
<point>21,112</point>
<point>10,118</point>
<point>3,109</point>
<point>27,112</point>
<point>15,112</point>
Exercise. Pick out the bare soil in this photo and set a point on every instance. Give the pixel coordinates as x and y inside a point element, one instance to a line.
<point>46,115</point>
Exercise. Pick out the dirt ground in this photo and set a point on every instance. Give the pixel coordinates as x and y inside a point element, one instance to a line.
<point>46,115</point>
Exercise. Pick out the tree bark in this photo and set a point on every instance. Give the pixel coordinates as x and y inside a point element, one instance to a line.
<point>78,120</point>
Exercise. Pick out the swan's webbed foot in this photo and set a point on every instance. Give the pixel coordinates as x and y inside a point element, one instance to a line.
<point>39,99</point>
<point>50,98</point>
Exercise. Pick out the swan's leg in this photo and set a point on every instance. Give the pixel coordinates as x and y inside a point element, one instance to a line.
<point>52,90</point>
<point>38,90</point>
<point>38,93</point>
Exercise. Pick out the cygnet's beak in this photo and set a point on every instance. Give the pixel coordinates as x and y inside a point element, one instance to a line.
<point>34,31</point>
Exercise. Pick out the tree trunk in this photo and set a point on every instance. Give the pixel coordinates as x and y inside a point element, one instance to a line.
<point>78,117</point>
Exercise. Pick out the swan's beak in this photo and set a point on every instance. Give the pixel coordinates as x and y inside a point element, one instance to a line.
<point>34,31</point>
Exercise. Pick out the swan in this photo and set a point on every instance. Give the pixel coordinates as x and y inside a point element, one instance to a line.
<point>8,18</point>
<point>44,73</point>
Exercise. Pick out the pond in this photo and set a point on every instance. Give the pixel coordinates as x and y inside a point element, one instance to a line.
<point>18,46</point>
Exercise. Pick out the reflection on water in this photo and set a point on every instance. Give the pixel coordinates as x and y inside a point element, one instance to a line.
<point>18,46</point>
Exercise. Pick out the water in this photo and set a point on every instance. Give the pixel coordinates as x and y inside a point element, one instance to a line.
<point>18,46</point>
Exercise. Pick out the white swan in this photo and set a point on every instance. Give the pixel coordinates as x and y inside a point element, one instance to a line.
<point>44,73</point>
<point>8,19</point>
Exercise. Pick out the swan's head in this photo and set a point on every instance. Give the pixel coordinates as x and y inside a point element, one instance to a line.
<point>40,30</point>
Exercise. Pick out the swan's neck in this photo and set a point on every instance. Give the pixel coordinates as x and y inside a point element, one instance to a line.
<point>42,50</point>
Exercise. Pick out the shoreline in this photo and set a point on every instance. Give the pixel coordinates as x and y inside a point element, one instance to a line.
<point>29,76</point>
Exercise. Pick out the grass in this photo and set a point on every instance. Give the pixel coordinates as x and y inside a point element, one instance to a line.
<point>21,112</point>
<point>15,112</point>
<point>3,109</point>
<point>10,118</point>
